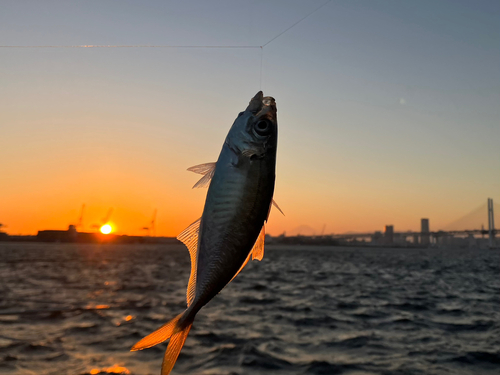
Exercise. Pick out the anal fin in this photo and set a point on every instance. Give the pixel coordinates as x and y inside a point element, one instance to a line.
<point>258,248</point>
<point>257,251</point>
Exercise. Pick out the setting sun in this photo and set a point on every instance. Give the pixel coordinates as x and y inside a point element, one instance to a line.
<point>106,229</point>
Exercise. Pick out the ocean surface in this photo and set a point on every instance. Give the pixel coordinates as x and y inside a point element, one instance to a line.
<point>77,309</point>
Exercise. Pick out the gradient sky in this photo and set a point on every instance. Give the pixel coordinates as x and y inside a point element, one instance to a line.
<point>388,111</point>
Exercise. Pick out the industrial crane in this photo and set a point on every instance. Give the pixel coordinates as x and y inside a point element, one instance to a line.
<point>151,227</point>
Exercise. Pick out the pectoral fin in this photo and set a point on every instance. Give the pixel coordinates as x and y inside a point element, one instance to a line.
<point>202,168</point>
<point>205,180</point>
<point>207,170</point>
<point>189,237</point>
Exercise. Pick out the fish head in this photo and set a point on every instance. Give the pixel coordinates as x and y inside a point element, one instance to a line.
<point>254,133</point>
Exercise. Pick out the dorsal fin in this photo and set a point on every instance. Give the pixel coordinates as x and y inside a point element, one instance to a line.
<point>189,237</point>
<point>207,170</point>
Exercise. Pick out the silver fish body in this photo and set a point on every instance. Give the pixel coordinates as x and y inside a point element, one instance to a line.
<point>238,200</point>
<point>231,228</point>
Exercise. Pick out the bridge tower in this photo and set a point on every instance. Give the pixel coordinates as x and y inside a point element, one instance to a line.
<point>491,222</point>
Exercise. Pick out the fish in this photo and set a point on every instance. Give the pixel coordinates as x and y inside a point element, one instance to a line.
<point>231,230</point>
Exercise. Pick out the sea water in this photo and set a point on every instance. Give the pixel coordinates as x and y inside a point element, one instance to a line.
<point>77,309</point>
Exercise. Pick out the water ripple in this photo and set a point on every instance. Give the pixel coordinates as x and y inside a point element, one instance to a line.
<point>77,309</point>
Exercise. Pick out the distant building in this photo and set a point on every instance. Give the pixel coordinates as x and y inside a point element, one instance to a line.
<point>377,238</point>
<point>491,223</point>
<point>389,235</point>
<point>415,239</point>
<point>57,235</point>
<point>3,235</point>
<point>72,235</point>
<point>425,238</point>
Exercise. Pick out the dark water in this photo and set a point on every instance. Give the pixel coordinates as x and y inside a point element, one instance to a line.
<point>77,309</point>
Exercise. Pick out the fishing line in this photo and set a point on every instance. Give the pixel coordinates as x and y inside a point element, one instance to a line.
<point>284,31</point>
<point>169,46</point>
<point>296,23</point>
<point>127,46</point>
<point>261,57</point>
<point>186,46</point>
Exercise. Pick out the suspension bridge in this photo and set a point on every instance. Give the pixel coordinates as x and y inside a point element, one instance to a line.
<point>466,229</point>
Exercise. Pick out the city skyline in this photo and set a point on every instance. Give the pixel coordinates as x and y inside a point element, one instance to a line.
<point>387,112</point>
<point>476,219</point>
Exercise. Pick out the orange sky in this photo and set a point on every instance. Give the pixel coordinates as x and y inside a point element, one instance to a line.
<point>385,115</point>
<point>143,167</point>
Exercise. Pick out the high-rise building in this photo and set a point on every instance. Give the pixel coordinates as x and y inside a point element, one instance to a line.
<point>491,222</point>
<point>425,238</point>
<point>389,234</point>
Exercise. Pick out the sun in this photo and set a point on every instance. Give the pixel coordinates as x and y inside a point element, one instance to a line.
<point>106,229</point>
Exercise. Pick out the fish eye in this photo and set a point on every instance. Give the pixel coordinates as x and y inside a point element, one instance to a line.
<point>262,127</point>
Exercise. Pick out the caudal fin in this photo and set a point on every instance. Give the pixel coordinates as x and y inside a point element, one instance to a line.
<point>173,350</point>
<point>161,334</point>
<point>177,331</point>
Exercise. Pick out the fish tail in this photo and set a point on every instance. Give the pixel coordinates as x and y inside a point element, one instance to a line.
<point>177,331</point>
<point>174,348</point>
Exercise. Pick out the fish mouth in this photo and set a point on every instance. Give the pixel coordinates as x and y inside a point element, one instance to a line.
<point>263,107</point>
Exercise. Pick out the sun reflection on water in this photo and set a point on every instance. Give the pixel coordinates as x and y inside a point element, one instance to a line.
<point>115,369</point>
<point>92,306</point>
